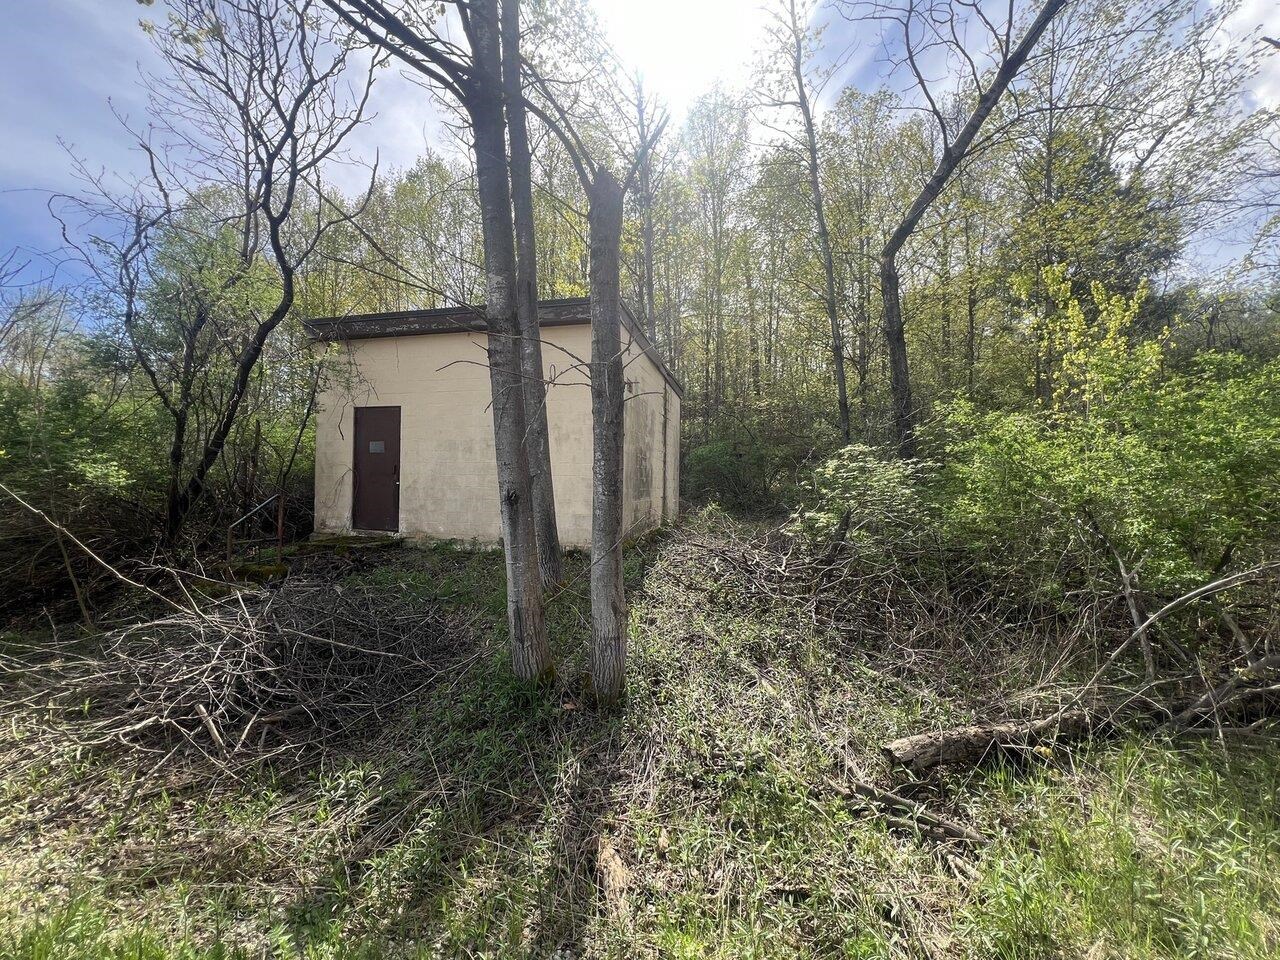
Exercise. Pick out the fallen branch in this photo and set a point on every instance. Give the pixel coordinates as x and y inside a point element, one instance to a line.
<point>974,743</point>
<point>1199,593</point>
<point>1231,689</point>
<point>915,812</point>
<point>61,531</point>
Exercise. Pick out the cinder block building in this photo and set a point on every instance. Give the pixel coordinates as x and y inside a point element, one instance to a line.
<point>404,427</point>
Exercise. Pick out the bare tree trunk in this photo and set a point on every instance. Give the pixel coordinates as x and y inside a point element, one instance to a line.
<point>530,655</point>
<point>824,236</point>
<point>174,511</point>
<point>179,410</point>
<point>953,154</point>
<point>971,307</point>
<point>903,413</point>
<point>542,486</point>
<point>753,331</point>
<point>645,183</point>
<point>864,324</point>
<point>478,86</point>
<point>944,256</point>
<point>608,604</point>
<point>605,197</point>
<point>246,363</point>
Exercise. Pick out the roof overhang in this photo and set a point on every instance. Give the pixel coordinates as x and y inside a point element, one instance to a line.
<point>574,311</point>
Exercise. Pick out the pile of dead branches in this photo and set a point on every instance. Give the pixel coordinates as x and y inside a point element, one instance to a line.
<point>919,618</point>
<point>247,675</point>
<point>1220,690</point>
<point>909,613</point>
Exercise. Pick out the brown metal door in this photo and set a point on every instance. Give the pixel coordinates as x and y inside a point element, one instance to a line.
<point>375,501</point>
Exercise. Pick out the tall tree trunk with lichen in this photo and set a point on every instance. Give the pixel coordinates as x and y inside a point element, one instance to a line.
<point>608,602</point>
<point>530,654</point>
<point>542,486</point>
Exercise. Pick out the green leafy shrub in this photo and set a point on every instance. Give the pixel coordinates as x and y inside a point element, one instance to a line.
<point>1170,471</point>
<point>728,472</point>
<point>880,495</point>
<point>759,459</point>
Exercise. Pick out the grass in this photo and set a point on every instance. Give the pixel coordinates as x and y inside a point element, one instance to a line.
<point>491,820</point>
<point>1151,851</point>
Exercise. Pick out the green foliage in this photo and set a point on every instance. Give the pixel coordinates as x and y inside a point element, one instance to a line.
<point>78,931</point>
<point>61,434</point>
<point>874,496</point>
<point>730,472</point>
<point>1171,468</point>
<point>1171,855</point>
<point>755,463</point>
<point>1165,468</point>
<point>1109,227</point>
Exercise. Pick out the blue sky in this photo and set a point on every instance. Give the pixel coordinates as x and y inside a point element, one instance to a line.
<point>65,63</point>
<point>59,62</point>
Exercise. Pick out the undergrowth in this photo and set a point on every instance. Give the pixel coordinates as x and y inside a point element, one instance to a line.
<point>484,819</point>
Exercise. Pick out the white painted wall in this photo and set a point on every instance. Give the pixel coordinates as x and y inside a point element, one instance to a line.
<point>448,481</point>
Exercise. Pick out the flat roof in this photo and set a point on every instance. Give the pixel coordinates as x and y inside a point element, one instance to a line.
<point>571,311</point>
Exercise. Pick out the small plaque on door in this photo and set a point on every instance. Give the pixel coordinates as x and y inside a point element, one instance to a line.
<point>377,446</point>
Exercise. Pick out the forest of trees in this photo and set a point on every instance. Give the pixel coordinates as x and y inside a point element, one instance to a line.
<point>977,311</point>
<point>920,268</point>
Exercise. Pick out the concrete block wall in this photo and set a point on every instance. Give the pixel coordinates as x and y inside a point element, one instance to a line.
<point>448,480</point>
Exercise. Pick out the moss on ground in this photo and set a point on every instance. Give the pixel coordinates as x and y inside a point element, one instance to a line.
<point>487,819</point>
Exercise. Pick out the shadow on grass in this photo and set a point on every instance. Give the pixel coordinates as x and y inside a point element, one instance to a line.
<point>475,817</point>
<point>466,820</point>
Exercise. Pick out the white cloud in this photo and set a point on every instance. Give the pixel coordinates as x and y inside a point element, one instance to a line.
<point>404,120</point>
<point>1254,17</point>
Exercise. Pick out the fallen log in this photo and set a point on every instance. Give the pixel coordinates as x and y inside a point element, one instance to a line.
<point>1245,691</point>
<point>973,743</point>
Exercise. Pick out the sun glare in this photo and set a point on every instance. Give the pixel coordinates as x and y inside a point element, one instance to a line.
<point>682,47</point>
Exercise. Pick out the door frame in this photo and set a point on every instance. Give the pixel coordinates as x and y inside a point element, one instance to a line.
<point>355,475</point>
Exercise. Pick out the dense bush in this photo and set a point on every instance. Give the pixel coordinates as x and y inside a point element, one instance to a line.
<point>1169,472</point>
<point>756,465</point>
<point>730,472</point>
<point>66,437</point>
<point>86,440</point>
<point>867,497</point>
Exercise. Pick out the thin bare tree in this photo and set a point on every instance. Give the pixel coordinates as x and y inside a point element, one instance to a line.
<point>253,106</point>
<point>790,31</point>
<point>606,192</point>
<point>923,30</point>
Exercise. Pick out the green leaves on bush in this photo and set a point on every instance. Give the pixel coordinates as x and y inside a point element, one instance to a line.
<point>1168,468</point>
<point>875,499</point>
<point>1172,471</point>
<point>730,472</point>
